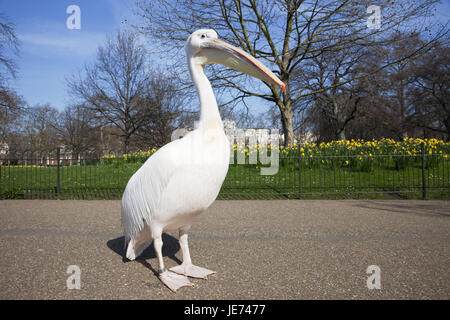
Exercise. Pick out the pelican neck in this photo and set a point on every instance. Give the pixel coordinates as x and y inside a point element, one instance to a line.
<point>209,111</point>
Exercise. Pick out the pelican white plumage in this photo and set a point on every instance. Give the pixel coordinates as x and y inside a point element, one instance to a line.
<point>184,177</point>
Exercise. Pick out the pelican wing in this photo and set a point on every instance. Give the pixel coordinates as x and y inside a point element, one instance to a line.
<point>142,196</point>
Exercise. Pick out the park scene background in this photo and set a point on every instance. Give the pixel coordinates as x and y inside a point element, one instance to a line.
<point>89,91</point>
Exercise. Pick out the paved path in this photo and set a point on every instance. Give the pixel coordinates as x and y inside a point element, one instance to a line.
<point>264,249</point>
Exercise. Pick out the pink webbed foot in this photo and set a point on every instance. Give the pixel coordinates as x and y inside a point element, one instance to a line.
<point>192,271</point>
<point>174,281</point>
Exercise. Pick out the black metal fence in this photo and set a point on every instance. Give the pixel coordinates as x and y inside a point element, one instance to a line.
<point>60,176</point>
<point>419,176</point>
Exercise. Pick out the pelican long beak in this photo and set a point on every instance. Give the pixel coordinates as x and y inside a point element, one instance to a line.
<point>225,54</point>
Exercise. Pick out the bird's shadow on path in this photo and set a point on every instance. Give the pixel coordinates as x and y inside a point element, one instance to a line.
<point>170,247</point>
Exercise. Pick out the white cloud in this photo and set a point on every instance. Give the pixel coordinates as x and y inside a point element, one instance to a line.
<point>80,43</point>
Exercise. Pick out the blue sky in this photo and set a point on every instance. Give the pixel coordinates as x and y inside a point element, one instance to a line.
<point>50,52</point>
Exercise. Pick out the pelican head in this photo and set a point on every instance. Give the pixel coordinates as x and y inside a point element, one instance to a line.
<point>205,48</point>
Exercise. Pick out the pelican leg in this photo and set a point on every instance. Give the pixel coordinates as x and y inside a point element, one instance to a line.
<point>187,268</point>
<point>172,280</point>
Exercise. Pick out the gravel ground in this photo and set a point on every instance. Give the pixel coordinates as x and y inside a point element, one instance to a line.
<point>262,249</point>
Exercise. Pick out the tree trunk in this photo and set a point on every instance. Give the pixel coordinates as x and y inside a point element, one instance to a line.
<point>341,135</point>
<point>340,121</point>
<point>126,142</point>
<point>447,126</point>
<point>401,97</point>
<point>102,140</point>
<point>287,116</point>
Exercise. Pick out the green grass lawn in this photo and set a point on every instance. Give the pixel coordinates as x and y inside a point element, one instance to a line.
<point>321,177</point>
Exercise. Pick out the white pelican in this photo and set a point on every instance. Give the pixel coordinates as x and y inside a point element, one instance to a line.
<point>184,177</point>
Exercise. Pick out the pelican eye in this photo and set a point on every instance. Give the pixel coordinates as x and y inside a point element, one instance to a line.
<point>203,36</point>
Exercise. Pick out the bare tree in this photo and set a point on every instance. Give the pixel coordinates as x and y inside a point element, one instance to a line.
<point>164,112</point>
<point>9,46</point>
<point>375,117</point>
<point>77,130</point>
<point>286,34</point>
<point>11,110</point>
<point>11,104</point>
<point>38,133</point>
<point>398,78</point>
<point>113,87</point>
<point>431,92</point>
<point>12,114</point>
<point>383,95</point>
<point>338,103</point>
